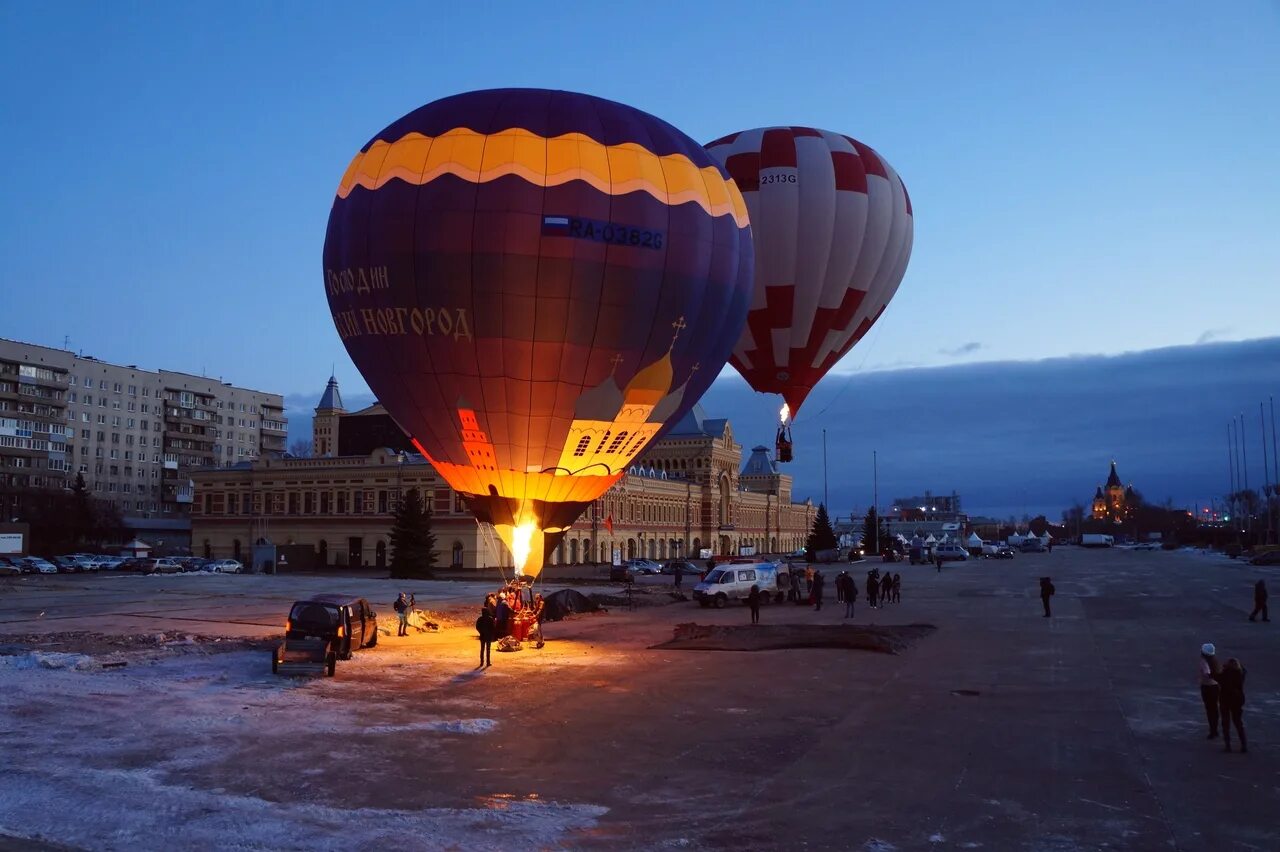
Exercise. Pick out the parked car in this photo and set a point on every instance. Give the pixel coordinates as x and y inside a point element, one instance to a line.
<point>1032,545</point>
<point>69,564</point>
<point>1271,557</point>
<point>948,552</point>
<point>643,566</point>
<point>997,551</point>
<point>9,567</point>
<point>1147,545</point>
<point>36,565</point>
<point>225,566</point>
<point>160,565</point>
<point>734,581</point>
<point>687,569</point>
<point>345,620</point>
<point>132,563</point>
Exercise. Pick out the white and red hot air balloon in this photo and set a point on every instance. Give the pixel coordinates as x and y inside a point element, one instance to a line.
<point>832,225</point>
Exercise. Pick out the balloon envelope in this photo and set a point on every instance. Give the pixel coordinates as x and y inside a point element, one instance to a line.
<point>533,283</point>
<point>832,227</point>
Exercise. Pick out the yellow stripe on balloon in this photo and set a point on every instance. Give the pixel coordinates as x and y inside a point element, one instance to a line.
<point>614,169</point>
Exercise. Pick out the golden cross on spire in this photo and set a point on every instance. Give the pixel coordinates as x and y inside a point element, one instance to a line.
<point>679,325</point>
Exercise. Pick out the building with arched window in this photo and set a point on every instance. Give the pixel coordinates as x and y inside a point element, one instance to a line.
<point>687,493</point>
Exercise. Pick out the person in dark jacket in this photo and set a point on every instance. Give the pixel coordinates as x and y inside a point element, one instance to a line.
<point>1259,601</point>
<point>487,629</point>
<point>897,588</point>
<point>401,607</point>
<point>873,589</point>
<point>1046,591</point>
<point>1231,696</point>
<point>1209,690</point>
<point>818,582</point>
<point>753,601</point>
<point>840,586</point>
<point>502,617</point>
<point>850,595</point>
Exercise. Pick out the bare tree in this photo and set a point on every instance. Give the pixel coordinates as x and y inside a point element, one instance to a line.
<point>300,449</point>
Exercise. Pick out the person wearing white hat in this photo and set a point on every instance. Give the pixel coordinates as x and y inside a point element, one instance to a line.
<point>1209,670</point>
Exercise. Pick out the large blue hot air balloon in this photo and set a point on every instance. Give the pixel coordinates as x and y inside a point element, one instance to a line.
<point>534,283</point>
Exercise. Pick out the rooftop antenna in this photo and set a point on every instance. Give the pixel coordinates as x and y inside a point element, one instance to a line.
<point>66,342</point>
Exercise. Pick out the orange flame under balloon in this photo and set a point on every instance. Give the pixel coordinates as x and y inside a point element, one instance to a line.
<point>785,413</point>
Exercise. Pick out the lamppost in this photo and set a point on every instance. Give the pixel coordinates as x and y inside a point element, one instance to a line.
<point>400,459</point>
<point>688,517</point>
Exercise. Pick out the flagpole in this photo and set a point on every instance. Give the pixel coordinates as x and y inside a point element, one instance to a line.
<point>824,471</point>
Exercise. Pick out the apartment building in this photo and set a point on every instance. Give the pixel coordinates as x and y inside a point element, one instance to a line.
<point>34,457</point>
<point>137,434</point>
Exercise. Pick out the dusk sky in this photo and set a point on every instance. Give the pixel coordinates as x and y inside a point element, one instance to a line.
<point>1086,179</point>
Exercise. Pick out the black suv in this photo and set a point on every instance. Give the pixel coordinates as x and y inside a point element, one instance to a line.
<point>346,621</point>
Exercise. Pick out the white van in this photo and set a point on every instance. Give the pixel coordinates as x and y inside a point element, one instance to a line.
<point>734,581</point>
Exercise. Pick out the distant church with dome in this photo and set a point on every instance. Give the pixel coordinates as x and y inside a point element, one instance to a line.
<point>1114,501</point>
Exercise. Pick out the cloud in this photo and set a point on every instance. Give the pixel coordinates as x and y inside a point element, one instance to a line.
<point>1012,437</point>
<point>962,350</point>
<point>1211,334</point>
<point>1020,437</point>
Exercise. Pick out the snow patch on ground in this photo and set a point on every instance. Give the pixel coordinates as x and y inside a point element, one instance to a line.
<point>130,809</point>
<point>446,726</point>
<point>145,757</point>
<point>48,660</point>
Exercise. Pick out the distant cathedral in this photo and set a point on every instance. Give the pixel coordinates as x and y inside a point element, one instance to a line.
<point>1113,502</point>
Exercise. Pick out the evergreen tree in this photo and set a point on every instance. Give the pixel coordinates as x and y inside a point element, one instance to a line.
<point>870,525</point>
<point>412,541</point>
<point>822,536</point>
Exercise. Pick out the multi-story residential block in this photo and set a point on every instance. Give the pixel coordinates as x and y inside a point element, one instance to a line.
<point>135,435</point>
<point>33,433</point>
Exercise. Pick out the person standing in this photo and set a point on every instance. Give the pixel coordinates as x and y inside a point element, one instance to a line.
<point>1231,696</point>
<point>873,589</point>
<point>1209,690</point>
<point>502,617</point>
<point>850,595</point>
<point>1046,591</point>
<point>897,588</point>
<point>753,601</point>
<point>486,627</point>
<point>840,586</point>
<point>794,595</point>
<point>678,570</point>
<point>1259,601</point>
<point>818,583</point>
<point>401,606</point>
<point>937,558</point>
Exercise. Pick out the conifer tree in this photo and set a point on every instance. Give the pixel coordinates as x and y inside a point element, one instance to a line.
<point>412,541</point>
<point>875,533</point>
<point>822,536</point>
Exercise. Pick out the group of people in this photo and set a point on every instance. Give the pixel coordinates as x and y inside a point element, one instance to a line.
<point>513,611</point>
<point>1222,691</point>
<point>403,606</point>
<point>881,590</point>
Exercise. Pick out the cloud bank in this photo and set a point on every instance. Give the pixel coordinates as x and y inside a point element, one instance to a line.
<point>1010,437</point>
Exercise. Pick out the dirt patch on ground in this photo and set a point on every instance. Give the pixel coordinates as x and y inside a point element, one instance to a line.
<point>761,637</point>
<point>638,598</point>
<point>99,644</point>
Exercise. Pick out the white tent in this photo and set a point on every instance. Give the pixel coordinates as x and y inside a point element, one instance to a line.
<point>974,540</point>
<point>136,548</point>
<point>930,540</point>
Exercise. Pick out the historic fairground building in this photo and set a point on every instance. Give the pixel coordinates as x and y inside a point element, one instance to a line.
<point>686,494</point>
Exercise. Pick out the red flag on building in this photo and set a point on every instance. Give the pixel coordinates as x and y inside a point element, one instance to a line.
<point>608,524</point>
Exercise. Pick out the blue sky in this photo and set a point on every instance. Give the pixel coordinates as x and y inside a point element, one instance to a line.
<point>1087,178</point>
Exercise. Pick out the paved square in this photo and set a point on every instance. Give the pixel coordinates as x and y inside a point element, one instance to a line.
<point>1003,730</point>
